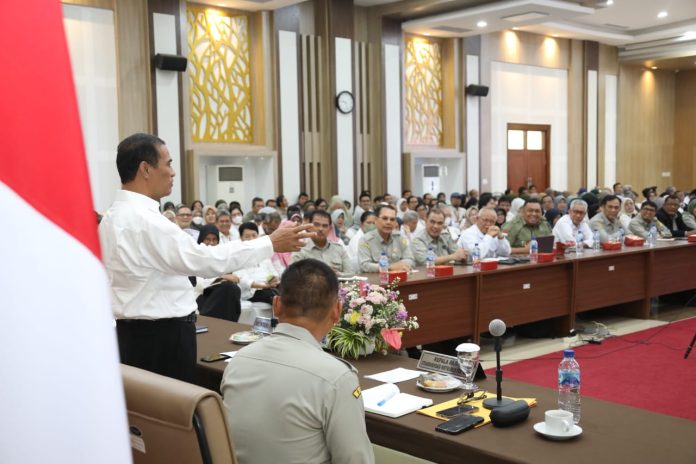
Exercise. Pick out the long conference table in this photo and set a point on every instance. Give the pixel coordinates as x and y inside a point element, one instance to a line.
<point>611,432</point>
<point>463,304</point>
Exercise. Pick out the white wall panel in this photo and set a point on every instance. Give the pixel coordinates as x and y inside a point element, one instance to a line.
<point>591,129</point>
<point>473,124</point>
<point>167,97</point>
<point>610,98</point>
<point>344,122</point>
<point>289,113</point>
<point>529,95</point>
<point>90,34</point>
<point>392,116</point>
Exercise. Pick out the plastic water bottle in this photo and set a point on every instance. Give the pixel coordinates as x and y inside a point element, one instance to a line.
<point>578,243</point>
<point>652,236</point>
<point>621,236</point>
<point>383,269</point>
<point>430,262</point>
<point>476,258</point>
<point>533,251</point>
<point>595,238</point>
<point>569,385</point>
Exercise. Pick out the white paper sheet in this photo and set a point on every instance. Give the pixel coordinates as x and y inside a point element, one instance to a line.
<point>395,375</point>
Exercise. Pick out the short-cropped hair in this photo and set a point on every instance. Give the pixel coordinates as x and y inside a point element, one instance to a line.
<point>308,288</point>
<point>248,226</point>
<point>132,151</point>
<point>652,204</point>
<point>609,198</point>
<point>319,212</point>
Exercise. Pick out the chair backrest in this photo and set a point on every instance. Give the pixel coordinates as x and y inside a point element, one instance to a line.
<point>175,422</point>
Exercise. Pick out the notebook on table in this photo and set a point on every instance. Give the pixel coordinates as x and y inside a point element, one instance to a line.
<point>387,400</point>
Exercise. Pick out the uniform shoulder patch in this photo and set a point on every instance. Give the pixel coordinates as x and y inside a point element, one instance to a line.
<point>357,392</point>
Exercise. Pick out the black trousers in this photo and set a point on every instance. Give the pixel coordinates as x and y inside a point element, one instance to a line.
<point>221,301</point>
<point>163,346</point>
<point>264,295</point>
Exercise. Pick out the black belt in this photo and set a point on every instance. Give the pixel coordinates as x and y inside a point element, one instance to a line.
<point>186,319</point>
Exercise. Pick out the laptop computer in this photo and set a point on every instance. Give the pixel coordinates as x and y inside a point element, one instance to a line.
<point>545,244</point>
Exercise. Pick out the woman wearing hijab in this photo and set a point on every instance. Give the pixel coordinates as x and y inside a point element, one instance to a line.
<point>220,296</point>
<point>401,208</point>
<point>209,214</point>
<point>560,203</point>
<point>339,224</point>
<point>628,212</point>
<point>515,206</point>
<point>337,202</point>
<point>552,216</point>
<point>689,216</point>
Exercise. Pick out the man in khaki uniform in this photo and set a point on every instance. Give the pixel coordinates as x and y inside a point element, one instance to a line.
<point>288,401</point>
<point>607,220</point>
<point>528,223</point>
<point>641,224</point>
<point>373,243</point>
<point>444,247</point>
<point>332,253</point>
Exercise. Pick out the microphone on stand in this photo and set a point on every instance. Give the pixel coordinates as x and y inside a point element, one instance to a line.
<point>497,329</point>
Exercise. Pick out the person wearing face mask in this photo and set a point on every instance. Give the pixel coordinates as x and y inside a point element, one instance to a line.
<point>321,248</point>
<point>197,219</point>
<point>436,236</point>
<point>237,216</point>
<point>367,224</point>
<point>228,233</point>
<point>220,296</point>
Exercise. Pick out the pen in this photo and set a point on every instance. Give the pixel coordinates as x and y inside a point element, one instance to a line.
<point>384,401</point>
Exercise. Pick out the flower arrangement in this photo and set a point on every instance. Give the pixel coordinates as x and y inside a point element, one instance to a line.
<point>372,317</point>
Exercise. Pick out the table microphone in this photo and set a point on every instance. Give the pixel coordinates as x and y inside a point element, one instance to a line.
<point>497,329</point>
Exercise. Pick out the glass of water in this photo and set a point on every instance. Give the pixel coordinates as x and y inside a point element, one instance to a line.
<point>468,358</point>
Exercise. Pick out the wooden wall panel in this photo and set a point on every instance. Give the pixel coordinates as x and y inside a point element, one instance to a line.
<point>645,133</point>
<point>608,65</point>
<point>576,105</point>
<point>684,173</point>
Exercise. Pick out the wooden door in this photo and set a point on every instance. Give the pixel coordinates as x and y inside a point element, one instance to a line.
<point>528,155</point>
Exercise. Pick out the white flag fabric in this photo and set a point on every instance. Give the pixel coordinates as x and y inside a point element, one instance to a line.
<point>61,394</point>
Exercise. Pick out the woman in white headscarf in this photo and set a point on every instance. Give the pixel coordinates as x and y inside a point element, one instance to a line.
<point>338,219</point>
<point>628,212</point>
<point>401,208</point>
<point>515,206</point>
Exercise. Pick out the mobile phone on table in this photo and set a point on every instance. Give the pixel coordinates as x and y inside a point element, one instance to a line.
<point>459,424</point>
<point>214,357</point>
<point>457,411</point>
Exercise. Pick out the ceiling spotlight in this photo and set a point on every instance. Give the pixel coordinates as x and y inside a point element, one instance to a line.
<point>482,24</point>
<point>662,14</point>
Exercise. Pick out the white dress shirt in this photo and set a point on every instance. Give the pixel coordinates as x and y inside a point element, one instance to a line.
<point>565,231</point>
<point>490,247</point>
<point>258,273</point>
<point>352,248</point>
<point>234,235</point>
<point>148,258</point>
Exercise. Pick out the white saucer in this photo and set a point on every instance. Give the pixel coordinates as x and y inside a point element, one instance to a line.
<point>574,432</point>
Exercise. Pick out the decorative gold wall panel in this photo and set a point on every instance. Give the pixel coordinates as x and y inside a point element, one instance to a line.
<point>219,76</point>
<point>423,92</point>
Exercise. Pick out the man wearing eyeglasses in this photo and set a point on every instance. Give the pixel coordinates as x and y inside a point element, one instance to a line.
<point>566,229</point>
<point>321,248</point>
<point>607,220</point>
<point>184,217</point>
<point>382,239</point>
<point>491,241</point>
<point>641,224</point>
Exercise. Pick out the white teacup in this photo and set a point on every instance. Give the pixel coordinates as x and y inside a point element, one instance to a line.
<point>558,421</point>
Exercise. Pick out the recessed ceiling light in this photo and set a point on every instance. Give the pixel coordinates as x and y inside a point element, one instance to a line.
<point>653,67</point>
<point>482,24</point>
<point>662,14</point>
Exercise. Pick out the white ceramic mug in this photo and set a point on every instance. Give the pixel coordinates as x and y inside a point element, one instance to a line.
<point>558,421</point>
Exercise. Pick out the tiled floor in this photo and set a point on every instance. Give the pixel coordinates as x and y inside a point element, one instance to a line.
<point>517,348</point>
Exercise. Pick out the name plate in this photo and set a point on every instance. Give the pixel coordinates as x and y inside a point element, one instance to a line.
<point>436,362</point>
<point>264,325</point>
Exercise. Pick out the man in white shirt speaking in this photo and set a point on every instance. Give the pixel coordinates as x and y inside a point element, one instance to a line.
<point>566,229</point>
<point>148,260</point>
<point>491,241</point>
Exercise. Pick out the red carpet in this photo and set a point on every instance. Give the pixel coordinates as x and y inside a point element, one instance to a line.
<point>646,370</point>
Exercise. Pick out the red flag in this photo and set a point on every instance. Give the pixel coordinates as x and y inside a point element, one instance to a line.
<point>61,390</point>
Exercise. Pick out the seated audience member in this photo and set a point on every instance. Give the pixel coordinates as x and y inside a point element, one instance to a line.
<point>529,223</point>
<point>228,232</point>
<point>411,226</point>
<point>197,219</point>
<point>451,225</point>
<point>501,217</point>
<point>515,206</point>
<point>169,206</point>
<point>281,205</point>
<point>367,224</point>
<point>628,212</point>
<point>618,190</point>
<point>492,243</point>
<point>270,222</point>
<point>470,219</point>
<point>566,229</point>
<point>413,202</point>
<point>222,204</point>
<point>689,215</point>
<point>364,204</point>
<point>458,212</point>
<point>220,296</point>
<point>641,224</point>
<point>670,216</point>
<point>271,203</point>
<point>486,200</point>
<point>256,205</point>
<point>197,205</point>
<point>321,203</point>
<point>286,399</point>
<point>184,218</point>
<point>302,198</point>
<point>546,203</point>
<point>422,210</point>
<point>401,207</point>
<point>552,216</point>
<point>607,220</point>
<point>168,213</point>
<point>389,199</point>
<point>282,260</point>
<point>650,193</point>
<point>372,244</point>
<point>209,215</point>
<point>257,283</point>
<point>436,236</point>
<point>339,224</point>
<point>319,247</point>
<point>561,203</point>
